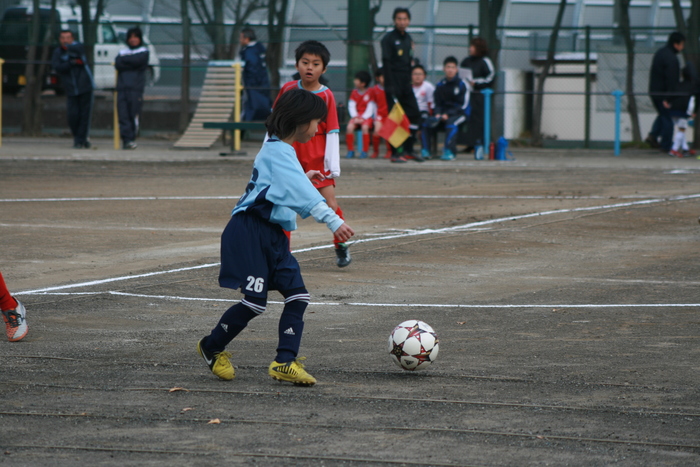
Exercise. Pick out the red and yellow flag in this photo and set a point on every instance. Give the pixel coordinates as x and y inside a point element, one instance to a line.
<point>395,128</point>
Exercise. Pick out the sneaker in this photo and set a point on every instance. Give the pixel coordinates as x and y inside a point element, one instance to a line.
<point>651,141</point>
<point>343,254</point>
<point>78,146</point>
<point>15,322</point>
<point>673,153</point>
<point>416,157</point>
<point>399,159</point>
<point>375,155</point>
<point>218,362</point>
<point>387,155</point>
<point>447,155</point>
<point>130,145</point>
<point>363,155</point>
<point>350,155</point>
<point>292,372</point>
<point>87,145</point>
<point>425,154</point>
<point>689,153</point>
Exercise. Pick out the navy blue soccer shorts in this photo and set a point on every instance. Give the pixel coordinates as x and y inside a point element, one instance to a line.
<point>255,257</point>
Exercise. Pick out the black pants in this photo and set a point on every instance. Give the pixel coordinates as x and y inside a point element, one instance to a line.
<point>79,116</point>
<point>475,126</point>
<point>403,92</point>
<point>129,104</point>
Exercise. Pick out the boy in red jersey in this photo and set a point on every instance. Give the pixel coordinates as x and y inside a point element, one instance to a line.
<point>379,96</point>
<point>361,108</point>
<point>322,152</point>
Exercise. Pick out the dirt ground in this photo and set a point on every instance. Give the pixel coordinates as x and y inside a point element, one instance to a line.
<point>564,287</point>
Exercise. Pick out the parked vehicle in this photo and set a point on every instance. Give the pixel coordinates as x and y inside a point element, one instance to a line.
<point>16,33</point>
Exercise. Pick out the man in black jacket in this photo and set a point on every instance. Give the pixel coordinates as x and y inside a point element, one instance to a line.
<point>256,103</point>
<point>71,65</point>
<point>664,77</point>
<point>397,59</point>
<point>131,64</point>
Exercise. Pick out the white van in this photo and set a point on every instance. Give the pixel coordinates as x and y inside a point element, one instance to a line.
<point>15,35</point>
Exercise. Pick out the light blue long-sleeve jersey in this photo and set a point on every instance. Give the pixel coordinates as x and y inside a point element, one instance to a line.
<point>279,189</point>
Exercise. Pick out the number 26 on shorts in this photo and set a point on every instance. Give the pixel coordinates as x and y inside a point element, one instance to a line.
<point>255,284</point>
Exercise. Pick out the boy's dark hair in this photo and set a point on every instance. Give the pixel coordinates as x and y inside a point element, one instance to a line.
<point>400,9</point>
<point>378,72</point>
<point>450,59</point>
<point>419,67</point>
<point>248,33</point>
<point>482,49</point>
<point>675,38</point>
<point>364,77</point>
<point>293,109</point>
<point>313,48</point>
<point>135,31</point>
<point>66,30</point>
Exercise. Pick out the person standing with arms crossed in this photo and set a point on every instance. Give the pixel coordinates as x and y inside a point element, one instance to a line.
<point>397,60</point>
<point>257,103</point>
<point>71,65</point>
<point>132,64</point>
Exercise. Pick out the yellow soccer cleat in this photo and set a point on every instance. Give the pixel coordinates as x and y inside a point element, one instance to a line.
<point>292,372</point>
<point>218,362</point>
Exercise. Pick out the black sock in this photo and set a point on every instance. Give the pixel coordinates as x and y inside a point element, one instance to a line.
<point>232,322</point>
<point>291,324</point>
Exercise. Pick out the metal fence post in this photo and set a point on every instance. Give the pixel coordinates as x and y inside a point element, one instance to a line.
<point>618,106</point>
<point>587,123</point>
<point>487,118</point>
<point>115,120</point>
<point>237,105</point>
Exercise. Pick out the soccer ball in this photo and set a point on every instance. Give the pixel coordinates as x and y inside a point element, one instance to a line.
<point>413,345</point>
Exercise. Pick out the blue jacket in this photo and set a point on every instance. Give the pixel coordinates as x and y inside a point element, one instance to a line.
<point>279,189</point>
<point>72,67</point>
<point>255,69</point>
<point>451,97</point>
<point>132,65</point>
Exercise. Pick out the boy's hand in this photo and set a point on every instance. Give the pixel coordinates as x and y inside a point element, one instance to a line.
<point>315,175</point>
<point>344,232</point>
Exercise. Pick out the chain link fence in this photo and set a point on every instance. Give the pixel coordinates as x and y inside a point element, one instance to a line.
<point>590,63</point>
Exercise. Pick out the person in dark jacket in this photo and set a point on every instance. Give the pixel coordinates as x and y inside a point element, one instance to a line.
<point>71,65</point>
<point>478,72</point>
<point>257,104</point>
<point>397,61</point>
<point>131,64</point>
<point>451,101</point>
<point>664,78</point>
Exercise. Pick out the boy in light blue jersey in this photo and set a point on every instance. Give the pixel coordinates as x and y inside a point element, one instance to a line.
<point>255,254</point>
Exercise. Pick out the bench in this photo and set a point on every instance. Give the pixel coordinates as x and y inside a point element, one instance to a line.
<point>233,126</point>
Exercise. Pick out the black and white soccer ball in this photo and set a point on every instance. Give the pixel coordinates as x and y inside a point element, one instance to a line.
<point>413,345</point>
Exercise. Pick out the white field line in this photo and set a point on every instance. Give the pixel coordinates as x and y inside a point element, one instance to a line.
<point>392,305</point>
<point>389,237</point>
<point>195,198</point>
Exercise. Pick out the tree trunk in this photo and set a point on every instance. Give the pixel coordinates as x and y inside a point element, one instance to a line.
<point>30,69</point>
<point>489,12</point>
<point>542,77</point>
<point>43,65</point>
<point>276,22</point>
<point>629,82</point>
<point>219,33</point>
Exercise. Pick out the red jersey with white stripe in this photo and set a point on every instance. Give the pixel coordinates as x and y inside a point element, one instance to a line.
<point>361,104</point>
<point>322,152</point>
